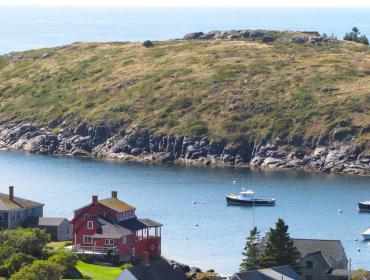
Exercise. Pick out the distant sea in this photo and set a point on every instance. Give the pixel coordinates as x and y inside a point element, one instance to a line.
<point>24,28</point>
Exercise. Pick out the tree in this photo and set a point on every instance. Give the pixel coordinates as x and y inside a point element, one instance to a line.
<point>280,249</point>
<point>148,44</point>
<point>39,270</point>
<point>251,252</point>
<point>354,36</point>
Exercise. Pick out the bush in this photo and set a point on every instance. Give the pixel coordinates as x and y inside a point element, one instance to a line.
<point>67,262</point>
<point>39,270</point>
<point>148,44</point>
<point>14,263</point>
<point>126,266</point>
<point>30,241</point>
<point>65,259</point>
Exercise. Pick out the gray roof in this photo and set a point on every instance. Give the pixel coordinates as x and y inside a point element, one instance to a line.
<point>157,270</point>
<point>281,272</point>
<point>17,203</point>
<point>328,248</point>
<point>110,230</point>
<point>138,224</point>
<point>51,221</point>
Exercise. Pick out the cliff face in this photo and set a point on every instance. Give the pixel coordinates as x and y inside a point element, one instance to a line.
<point>343,156</point>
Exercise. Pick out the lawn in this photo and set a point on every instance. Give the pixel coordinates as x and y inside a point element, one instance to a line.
<point>57,246</point>
<point>98,272</point>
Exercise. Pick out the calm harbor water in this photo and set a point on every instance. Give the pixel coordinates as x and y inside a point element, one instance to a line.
<point>308,202</point>
<point>23,28</point>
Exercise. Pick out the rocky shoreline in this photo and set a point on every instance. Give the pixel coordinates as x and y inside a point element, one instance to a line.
<point>336,153</point>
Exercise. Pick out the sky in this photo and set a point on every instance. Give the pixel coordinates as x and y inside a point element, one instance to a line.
<point>252,3</point>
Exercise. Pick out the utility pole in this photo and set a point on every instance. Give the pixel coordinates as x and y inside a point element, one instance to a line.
<point>349,269</point>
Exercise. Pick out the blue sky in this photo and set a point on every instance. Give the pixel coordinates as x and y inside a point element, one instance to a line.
<point>259,3</point>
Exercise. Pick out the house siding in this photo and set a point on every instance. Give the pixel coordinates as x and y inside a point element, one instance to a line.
<point>4,220</point>
<point>17,217</point>
<point>318,270</point>
<point>65,231</point>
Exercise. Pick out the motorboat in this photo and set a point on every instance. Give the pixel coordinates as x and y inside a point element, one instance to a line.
<point>246,198</point>
<point>364,206</point>
<point>366,234</point>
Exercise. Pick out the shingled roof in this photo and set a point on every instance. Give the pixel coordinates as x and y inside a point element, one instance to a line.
<point>328,248</point>
<point>116,204</point>
<point>138,224</point>
<point>285,272</point>
<point>17,203</point>
<point>157,270</point>
<point>110,230</point>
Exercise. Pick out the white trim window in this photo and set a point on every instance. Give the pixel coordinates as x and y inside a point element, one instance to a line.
<point>109,242</point>
<point>87,239</point>
<point>90,225</point>
<point>124,240</point>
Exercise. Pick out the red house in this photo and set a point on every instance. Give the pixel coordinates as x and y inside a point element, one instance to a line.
<point>111,225</point>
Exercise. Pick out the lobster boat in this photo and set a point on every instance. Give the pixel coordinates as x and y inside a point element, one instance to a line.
<point>246,198</point>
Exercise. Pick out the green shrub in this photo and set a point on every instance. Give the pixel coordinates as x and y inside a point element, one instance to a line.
<point>66,261</point>
<point>126,266</point>
<point>30,241</point>
<point>14,263</point>
<point>39,270</point>
<point>148,44</point>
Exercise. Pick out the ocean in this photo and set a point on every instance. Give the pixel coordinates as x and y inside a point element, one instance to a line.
<point>24,28</point>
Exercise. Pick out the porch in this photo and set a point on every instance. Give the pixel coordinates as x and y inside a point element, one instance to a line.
<point>93,250</point>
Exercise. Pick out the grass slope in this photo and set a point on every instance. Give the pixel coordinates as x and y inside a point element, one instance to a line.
<point>222,89</point>
<point>98,272</point>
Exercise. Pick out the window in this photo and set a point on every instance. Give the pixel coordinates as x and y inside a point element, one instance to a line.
<point>133,253</point>
<point>87,239</point>
<point>109,242</point>
<point>18,215</point>
<point>86,217</point>
<point>90,225</point>
<point>309,264</point>
<point>124,240</point>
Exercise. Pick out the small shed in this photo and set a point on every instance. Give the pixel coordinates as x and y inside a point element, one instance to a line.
<point>59,228</point>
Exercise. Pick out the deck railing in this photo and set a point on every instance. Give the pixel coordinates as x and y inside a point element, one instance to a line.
<point>91,250</point>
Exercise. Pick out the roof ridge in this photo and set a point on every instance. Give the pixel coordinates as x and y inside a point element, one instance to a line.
<point>313,239</point>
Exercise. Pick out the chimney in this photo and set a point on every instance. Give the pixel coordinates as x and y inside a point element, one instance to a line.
<point>94,198</point>
<point>114,194</point>
<point>11,193</point>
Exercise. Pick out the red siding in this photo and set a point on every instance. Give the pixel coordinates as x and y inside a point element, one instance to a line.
<point>152,245</point>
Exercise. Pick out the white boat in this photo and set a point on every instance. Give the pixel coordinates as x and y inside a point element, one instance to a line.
<point>366,234</point>
<point>246,198</point>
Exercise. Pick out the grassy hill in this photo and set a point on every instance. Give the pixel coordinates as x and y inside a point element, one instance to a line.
<point>222,89</point>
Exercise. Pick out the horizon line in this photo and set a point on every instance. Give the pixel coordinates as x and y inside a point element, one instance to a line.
<point>181,6</point>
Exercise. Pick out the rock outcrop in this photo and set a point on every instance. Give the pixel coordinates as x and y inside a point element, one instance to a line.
<point>262,35</point>
<point>335,153</point>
